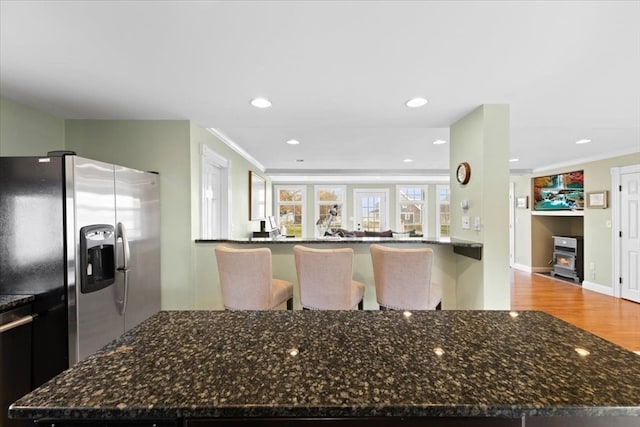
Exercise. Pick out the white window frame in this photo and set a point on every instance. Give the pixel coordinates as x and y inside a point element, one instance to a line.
<point>303,203</point>
<point>317,203</point>
<point>437,208</point>
<point>210,159</point>
<point>424,203</point>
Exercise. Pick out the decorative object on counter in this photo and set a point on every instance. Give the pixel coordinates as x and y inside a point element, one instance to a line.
<point>325,278</point>
<point>522,202</point>
<point>257,196</point>
<point>324,224</point>
<point>403,278</point>
<point>563,191</point>
<point>246,280</point>
<point>598,199</point>
<point>463,173</point>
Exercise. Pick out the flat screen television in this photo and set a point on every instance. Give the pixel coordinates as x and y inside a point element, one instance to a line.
<point>564,191</point>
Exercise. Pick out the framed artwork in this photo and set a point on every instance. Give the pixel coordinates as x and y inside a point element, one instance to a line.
<point>598,199</point>
<point>257,196</point>
<point>522,202</point>
<point>564,191</point>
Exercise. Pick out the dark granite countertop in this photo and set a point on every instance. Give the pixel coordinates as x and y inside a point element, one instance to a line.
<point>7,302</point>
<point>363,240</point>
<point>345,364</point>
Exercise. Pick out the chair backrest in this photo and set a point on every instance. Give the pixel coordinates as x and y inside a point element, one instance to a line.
<point>402,276</point>
<point>324,276</point>
<point>245,277</point>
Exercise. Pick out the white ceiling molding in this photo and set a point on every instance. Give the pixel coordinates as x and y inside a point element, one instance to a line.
<point>235,147</point>
<point>595,158</point>
<point>358,179</point>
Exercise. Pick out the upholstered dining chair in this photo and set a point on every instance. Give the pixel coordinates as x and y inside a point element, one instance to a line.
<point>246,280</point>
<point>403,278</point>
<point>325,279</point>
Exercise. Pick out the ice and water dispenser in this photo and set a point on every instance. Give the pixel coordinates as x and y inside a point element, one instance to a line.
<point>97,257</point>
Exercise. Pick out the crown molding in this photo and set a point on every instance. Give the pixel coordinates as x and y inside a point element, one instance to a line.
<point>589,159</point>
<point>235,147</point>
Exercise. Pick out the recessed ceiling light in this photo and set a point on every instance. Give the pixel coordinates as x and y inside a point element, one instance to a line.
<point>439,142</point>
<point>416,102</point>
<point>260,103</point>
<point>408,160</point>
<point>514,160</point>
<point>583,141</point>
<point>293,142</point>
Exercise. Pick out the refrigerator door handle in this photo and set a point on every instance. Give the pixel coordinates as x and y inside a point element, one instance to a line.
<point>124,269</point>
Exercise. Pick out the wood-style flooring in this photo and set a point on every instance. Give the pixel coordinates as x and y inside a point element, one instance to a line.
<point>614,319</point>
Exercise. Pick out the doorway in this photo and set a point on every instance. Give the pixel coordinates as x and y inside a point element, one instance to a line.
<point>626,231</point>
<point>371,209</point>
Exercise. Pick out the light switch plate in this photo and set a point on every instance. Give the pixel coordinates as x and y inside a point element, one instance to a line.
<point>476,223</point>
<point>465,222</point>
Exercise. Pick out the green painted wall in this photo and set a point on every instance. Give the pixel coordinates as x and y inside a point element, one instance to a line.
<point>482,139</point>
<point>28,132</point>
<point>161,146</point>
<point>522,226</point>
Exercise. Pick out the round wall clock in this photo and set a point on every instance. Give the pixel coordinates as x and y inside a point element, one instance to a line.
<point>463,173</point>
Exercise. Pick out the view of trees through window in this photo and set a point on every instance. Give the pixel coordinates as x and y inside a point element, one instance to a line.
<point>326,199</point>
<point>411,209</point>
<point>290,201</point>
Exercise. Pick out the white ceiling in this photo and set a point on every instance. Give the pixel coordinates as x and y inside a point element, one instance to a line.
<point>338,73</point>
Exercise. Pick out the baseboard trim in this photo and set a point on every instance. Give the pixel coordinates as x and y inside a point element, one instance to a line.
<point>596,287</point>
<point>522,267</point>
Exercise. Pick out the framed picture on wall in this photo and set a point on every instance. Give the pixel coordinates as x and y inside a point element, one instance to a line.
<point>598,199</point>
<point>522,202</point>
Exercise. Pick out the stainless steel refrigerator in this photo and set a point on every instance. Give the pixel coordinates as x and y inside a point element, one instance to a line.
<point>83,236</point>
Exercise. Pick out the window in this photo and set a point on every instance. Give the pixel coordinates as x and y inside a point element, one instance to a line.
<point>443,213</point>
<point>326,199</point>
<point>290,202</point>
<point>412,208</point>
<point>215,184</point>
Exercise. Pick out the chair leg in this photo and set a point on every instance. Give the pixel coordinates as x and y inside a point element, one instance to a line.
<point>361,304</point>
<point>290,304</point>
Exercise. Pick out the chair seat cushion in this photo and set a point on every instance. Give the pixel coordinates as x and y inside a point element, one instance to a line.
<point>281,291</point>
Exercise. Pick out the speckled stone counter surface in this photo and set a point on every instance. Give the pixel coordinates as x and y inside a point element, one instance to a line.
<point>7,302</point>
<point>345,364</point>
<point>461,247</point>
<point>363,240</point>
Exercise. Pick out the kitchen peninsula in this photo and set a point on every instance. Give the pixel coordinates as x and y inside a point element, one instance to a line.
<point>450,257</point>
<point>472,368</point>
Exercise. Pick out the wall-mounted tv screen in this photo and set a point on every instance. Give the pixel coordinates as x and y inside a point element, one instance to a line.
<point>563,191</point>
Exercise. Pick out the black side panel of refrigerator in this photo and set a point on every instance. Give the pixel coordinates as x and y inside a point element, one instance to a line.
<point>31,225</point>
<point>32,253</point>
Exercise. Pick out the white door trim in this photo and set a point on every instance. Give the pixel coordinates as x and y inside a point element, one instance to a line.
<point>615,224</point>
<point>512,224</point>
<point>357,191</point>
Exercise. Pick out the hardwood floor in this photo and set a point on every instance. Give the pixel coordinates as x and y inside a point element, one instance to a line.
<point>616,320</point>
